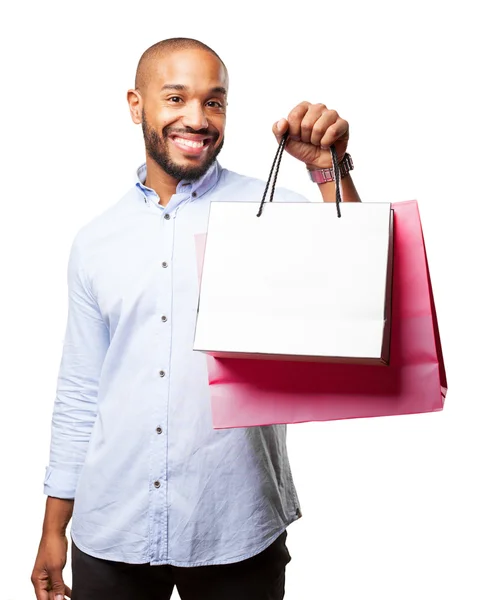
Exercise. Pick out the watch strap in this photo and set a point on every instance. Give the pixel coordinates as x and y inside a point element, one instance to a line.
<point>326,175</point>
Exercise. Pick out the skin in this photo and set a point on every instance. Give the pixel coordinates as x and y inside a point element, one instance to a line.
<point>194,109</point>
<point>47,577</point>
<point>312,129</point>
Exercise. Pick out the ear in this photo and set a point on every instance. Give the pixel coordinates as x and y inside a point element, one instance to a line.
<point>135,102</point>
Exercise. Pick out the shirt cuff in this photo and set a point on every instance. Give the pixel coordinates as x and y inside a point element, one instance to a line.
<point>60,484</point>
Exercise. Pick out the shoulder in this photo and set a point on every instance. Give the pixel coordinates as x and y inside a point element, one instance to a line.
<point>234,186</point>
<point>107,223</point>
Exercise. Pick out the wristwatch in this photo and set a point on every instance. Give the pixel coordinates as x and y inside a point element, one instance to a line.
<point>325,175</point>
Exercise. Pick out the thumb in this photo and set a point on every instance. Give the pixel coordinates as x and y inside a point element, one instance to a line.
<point>280,128</point>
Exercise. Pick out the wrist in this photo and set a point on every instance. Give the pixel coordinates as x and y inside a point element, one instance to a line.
<point>325,162</point>
<point>53,534</point>
<point>326,175</point>
<point>58,513</point>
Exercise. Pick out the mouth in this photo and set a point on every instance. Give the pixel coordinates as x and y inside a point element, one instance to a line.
<point>193,146</point>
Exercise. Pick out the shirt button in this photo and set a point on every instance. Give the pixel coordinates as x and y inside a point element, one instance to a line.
<point>164,319</point>
<point>157,484</point>
<point>162,373</point>
<point>159,430</point>
<point>194,194</point>
<point>164,264</point>
<point>167,217</point>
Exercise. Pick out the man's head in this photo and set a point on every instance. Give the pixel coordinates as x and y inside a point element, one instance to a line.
<point>180,100</point>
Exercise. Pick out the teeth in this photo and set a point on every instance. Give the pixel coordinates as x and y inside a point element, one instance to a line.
<point>190,143</point>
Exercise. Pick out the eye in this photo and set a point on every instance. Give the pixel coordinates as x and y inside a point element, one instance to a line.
<point>175,99</point>
<point>214,104</point>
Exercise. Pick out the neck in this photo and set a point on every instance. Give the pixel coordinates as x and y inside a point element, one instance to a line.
<point>156,179</point>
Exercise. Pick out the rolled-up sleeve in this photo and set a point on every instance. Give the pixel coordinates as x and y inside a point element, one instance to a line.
<point>85,345</point>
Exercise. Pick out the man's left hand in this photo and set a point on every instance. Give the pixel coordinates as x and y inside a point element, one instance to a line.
<point>312,129</point>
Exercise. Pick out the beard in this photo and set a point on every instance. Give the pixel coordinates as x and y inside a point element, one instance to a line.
<point>157,148</point>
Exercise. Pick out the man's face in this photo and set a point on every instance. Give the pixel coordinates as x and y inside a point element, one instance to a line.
<point>184,113</point>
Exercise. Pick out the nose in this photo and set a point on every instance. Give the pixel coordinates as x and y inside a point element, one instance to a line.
<point>194,116</point>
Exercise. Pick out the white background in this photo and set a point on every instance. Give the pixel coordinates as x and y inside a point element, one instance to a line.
<point>390,504</point>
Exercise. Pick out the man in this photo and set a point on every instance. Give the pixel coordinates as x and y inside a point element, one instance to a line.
<point>158,497</point>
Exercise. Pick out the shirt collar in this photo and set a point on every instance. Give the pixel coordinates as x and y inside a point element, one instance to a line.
<point>195,189</point>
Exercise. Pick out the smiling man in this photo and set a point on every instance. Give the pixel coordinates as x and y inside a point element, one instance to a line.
<point>158,498</point>
<point>180,100</point>
<point>183,133</point>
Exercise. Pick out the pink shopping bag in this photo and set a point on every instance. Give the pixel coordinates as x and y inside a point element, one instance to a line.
<point>247,393</point>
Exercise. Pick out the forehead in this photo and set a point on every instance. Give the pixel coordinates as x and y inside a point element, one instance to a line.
<point>197,69</point>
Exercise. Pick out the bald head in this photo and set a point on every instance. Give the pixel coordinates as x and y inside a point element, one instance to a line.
<point>163,49</point>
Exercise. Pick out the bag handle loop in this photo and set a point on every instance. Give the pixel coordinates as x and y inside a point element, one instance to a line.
<point>275,170</point>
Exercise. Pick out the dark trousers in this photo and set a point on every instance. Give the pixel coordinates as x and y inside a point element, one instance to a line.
<point>258,578</point>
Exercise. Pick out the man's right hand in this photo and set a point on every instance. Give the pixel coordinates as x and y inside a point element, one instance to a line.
<point>47,575</point>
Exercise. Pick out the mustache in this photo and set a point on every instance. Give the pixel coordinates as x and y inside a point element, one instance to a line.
<point>206,132</point>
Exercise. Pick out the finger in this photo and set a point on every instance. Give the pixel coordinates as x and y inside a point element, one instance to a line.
<point>315,112</point>
<point>58,587</point>
<point>326,120</point>
<point>294,119</point>
<point>280,128</point>
<point>337,131</point>
<point>68,592</point>
<point>40,593</point>
<point>41,587</point>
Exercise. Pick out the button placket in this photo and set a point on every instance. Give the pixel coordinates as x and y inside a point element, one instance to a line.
<point>159,482</point>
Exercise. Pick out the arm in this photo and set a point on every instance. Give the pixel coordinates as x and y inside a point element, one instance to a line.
<point>350,194</point>
<point>85,345</point>
<point>52,551</point>
<point>58,513</point>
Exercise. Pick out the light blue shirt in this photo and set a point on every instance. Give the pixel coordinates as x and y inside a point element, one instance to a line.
<point>132,437</point>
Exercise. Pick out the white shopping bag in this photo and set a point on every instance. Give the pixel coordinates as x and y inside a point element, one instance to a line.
<point>298,283</point>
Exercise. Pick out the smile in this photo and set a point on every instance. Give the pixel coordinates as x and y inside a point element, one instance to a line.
<point>190,146</point>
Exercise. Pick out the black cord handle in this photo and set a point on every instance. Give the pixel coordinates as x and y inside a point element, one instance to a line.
<point>337,178</point>
<point>275,170</point>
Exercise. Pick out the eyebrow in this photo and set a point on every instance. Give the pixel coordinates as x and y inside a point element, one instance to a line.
<point>184,88</point>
